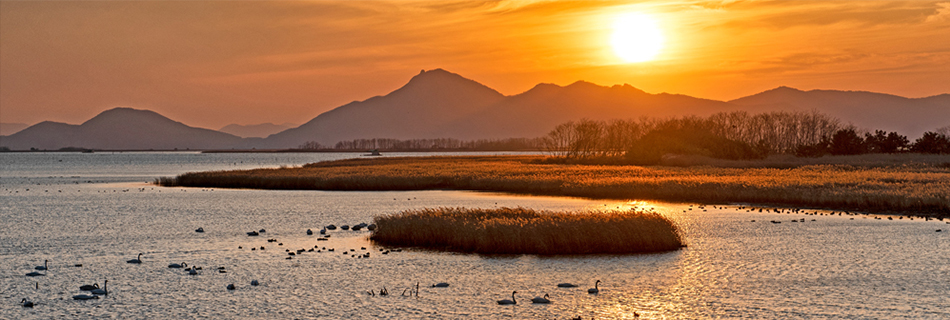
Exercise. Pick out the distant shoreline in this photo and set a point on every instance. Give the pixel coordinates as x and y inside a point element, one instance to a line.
<point>914,187</point>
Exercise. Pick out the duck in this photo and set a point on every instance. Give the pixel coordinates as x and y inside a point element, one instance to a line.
<point>104,290</point>
<point>566,285</point>
<point>84,297</point>
<point>595,289</point>
<point>89,287</point>
<point>178,266</point>
<point>309,232</point>
<point>26,303</point>
<point>440,285</point>
<point>541,299</point>
<point>136,260</point>
<point>45,266</point>
<point>506,301</point>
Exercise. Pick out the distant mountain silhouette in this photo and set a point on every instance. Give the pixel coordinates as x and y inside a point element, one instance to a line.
<point>537,111</point>
<point>11,128</point>
<point>441,104</point>
<point>255,130</point>
<point>431,100</point>
<point>120,129</point>
<point>866,110</point>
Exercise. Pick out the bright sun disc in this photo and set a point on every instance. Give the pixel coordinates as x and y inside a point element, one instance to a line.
<point>636,38</point>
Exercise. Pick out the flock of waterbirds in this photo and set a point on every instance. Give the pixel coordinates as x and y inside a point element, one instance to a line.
<point>547,298</point>
<point>95,291</point>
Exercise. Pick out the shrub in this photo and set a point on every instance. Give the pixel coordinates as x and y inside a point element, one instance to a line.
<point>526,231</point>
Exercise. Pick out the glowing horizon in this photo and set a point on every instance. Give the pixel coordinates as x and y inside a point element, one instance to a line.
<point>210,64</point>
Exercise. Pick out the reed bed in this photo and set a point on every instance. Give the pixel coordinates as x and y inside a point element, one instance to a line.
<point>921,188</point>
<point>526,231</point>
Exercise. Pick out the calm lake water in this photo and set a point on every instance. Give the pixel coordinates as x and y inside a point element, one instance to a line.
<point>98,210</point>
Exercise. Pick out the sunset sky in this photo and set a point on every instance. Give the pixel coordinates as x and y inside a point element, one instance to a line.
<point>209,64</point>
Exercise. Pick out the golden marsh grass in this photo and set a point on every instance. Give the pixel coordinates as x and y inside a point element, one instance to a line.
<point>526,231</point>
<point>915,188</point>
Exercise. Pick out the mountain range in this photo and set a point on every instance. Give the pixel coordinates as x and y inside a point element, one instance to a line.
<point>255,130</point>
<point>441,104</point>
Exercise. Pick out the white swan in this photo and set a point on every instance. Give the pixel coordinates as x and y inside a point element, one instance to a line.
<point>541,299</point>
<point>84,297</point>
<point>89,287</point>
<point>512,301</point>
<point>44,266</point>
<point>104,290</point>
<point>136,260</point>
<point>595,289</point>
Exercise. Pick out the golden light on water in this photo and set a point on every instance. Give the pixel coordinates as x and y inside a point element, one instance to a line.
<point>637,37</point>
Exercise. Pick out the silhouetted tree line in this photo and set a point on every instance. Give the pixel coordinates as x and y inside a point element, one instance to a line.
<point>431,144</point>
<point>733,135</point>
<point>849,142</point>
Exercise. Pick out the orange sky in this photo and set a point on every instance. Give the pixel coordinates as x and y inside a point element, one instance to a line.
<point>209,64</point>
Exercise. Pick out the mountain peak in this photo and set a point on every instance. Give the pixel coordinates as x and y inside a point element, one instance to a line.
<point>784,89</point>
<point>438,74</point>
<point>126,115</point>
<point>440,80</point>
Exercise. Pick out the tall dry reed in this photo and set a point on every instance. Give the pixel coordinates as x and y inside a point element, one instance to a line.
<point>909,184</point>
<point>525,231</point>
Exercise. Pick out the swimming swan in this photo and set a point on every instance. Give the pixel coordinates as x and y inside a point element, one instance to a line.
<point>136,260</point>
<point>541,300</point>
<point>595,289</point>
<point>178,266</point>
<point>89,287</point>
<point>44,266</point>
<point>512,301</point>
<point>26,303</point>
<point>104,290</point>
<point>84,297</point>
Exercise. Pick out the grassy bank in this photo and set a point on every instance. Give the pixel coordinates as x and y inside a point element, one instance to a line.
<point>917,188</point>
<point>525,231</point>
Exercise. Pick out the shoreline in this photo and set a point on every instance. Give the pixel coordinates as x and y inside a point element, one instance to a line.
<point>921,189</point>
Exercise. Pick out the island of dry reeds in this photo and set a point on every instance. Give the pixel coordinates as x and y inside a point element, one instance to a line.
<point>898,184</point>
<point>526,231</point>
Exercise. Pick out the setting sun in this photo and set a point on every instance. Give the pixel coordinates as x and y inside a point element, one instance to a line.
<point>637,37</point>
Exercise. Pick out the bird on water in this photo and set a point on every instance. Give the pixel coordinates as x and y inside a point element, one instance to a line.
<point>544,299</point>
<point>136,260</point>
<point>595,289</point>
<point>506,301</point>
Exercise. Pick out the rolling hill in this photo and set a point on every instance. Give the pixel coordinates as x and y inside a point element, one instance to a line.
<point>120,129</point>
